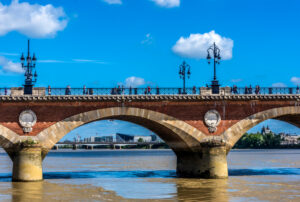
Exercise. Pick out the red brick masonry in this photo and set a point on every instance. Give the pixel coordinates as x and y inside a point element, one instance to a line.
<point>50,110</point>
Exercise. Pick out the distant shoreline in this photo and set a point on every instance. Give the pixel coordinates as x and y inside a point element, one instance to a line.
<point>95,150</point>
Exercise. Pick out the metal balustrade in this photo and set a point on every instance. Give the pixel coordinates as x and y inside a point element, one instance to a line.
<point>152,91</point>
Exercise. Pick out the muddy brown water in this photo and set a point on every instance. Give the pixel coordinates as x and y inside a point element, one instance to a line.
<point>149,175</point>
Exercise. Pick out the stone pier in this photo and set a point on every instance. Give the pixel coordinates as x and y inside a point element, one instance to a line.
<point>210,162</point>
<point>27,163</point>
<point>200,129</point>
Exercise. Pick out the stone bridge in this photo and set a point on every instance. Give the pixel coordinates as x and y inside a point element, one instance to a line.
<point>200,129</point>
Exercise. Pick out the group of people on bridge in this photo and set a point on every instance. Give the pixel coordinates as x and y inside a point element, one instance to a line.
<point>121,90</point>
<point>247,90</point>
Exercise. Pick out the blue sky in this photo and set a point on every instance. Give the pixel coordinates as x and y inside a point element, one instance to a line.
<point>109,127</point>
<point>101,43</point>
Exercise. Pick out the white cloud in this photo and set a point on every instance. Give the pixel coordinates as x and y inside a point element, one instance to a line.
<point>73,61</point>
<point>51,61</point>
<point>9,66</point>
<point>134,82</point>
<point>148,39</point>
<point>32,20</point>
<point>89,61</point>
<point>113,1</point>
<point>84,60</point>
<point>279,85</point>
<point>9,54</point>
<point>295,80</point>
<point>236,80</point>
<point>167,3</point>
<point>196,45</point>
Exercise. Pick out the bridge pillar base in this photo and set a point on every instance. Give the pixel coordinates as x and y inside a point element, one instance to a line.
<point>27,164</point>
<point>210,163</point>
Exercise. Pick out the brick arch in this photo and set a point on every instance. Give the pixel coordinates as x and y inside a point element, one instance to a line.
<point>179,135</point>
<point>234,133</point>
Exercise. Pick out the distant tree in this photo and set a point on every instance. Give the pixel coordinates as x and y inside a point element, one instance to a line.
<point>250,141</point>
<point>271,140</point>
<point>257,140</point>
<point>140,140</point>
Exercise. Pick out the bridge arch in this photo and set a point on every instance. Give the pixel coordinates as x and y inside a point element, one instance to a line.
<point>8,139</point>
<point>179,135</point>
<point>289,114</point>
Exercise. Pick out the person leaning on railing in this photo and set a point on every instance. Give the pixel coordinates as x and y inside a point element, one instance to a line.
<point>246,90</point>
<point>130,90</point>
<point>119,90</point>
<point>194,90</point>
<point>297,89</point>
<point>68,90</point>
<point>149,90</point>
<point>257,89</point>
<point>250,90</point>
<point>84,92</point>
<point>234,89</point>
<point>49,90</point>
<point>91,91</point>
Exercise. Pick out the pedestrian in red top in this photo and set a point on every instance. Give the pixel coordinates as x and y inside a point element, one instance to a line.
<point>148,90</point>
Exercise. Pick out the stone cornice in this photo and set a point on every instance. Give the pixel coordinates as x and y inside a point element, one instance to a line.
<point>141,98</point>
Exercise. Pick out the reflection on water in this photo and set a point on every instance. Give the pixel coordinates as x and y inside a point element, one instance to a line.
<point>255,175</point>
<point>202,190</point>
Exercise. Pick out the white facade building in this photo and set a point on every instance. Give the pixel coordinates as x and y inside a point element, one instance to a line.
<point>144,138</point>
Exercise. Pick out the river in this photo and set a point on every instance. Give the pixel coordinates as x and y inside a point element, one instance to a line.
<point>149,175</point>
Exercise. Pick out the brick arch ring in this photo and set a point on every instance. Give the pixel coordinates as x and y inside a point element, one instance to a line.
<point>182,136</point>
<point>235,132</point>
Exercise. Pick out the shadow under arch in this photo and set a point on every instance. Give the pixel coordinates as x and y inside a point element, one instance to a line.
<point>289,114</point>
<point>8,139</point>
<point>179,135</point>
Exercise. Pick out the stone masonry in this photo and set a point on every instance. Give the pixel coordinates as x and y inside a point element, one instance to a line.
<point>178,119</point>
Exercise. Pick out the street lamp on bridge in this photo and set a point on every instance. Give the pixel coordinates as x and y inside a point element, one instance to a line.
<point>28,65</point>
<point>214,49</point>
<point>182,73</point>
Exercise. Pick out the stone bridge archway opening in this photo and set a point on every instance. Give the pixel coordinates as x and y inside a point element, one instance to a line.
<point>290,115</point>
<point>270,134</point>
<point>180,136</point>
<point>104,134</point>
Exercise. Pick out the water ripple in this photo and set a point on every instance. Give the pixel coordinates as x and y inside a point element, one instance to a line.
<point>264,171</point>
<point>111,174</point>
<point>4,177</point>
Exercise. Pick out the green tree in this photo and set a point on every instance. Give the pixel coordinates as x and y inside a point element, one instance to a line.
<point>140,140</point>
<point>250,141</point>
<point>255,140</point>
<point>258,140</point>
<point>271,140</point>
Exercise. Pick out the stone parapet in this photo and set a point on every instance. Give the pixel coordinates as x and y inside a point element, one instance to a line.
<point>121,98</point>
<point>208,91</point>
<point>19,91</point>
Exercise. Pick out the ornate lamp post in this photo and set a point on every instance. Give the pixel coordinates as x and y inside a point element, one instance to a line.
<point>182,73</point>
<point>214,49</point>
<point>28,65</point>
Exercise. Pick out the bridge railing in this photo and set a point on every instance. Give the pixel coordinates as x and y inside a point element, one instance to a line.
<point>121,91</point>
<point>171,91</point>
<point>265,90</point>
<point>153,91</point>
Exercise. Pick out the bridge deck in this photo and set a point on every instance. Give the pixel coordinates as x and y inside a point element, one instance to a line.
<point>120,98</point>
